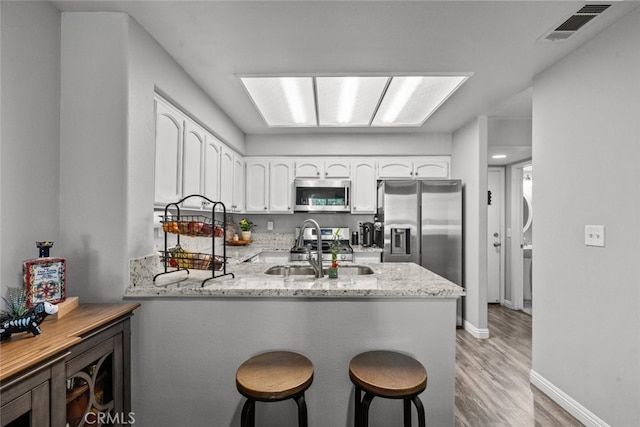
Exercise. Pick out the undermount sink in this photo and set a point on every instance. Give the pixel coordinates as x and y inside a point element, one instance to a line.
<point>304,270</point>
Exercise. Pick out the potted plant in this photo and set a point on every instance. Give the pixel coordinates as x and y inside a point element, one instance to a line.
<point>246,226</point>
<point>334,246</point>
<point>16,303</point>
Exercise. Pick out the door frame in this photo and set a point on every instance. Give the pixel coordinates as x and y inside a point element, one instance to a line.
<point>516,251</point>
<point>502,227</point>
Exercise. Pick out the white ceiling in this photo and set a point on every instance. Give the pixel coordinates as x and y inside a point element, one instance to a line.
<point>497,41</point>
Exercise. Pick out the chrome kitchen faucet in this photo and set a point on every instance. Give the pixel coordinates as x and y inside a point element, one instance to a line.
<point>317,264</point>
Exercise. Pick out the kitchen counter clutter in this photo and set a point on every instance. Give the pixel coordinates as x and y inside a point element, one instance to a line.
<point>384,280</point>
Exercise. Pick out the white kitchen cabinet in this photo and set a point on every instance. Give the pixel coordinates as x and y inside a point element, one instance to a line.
<point>281,186</point>
<point>168,154</point>
<point>269,184</point>
<point>231,180</point>
<point>363,187</point>
<point>193,164</point>
<point>432,167</point>
<point>257,186</point>
<point>395,168</point>
<point>413,167</point>
<point>211,171</point>
<point>237,202</point>
<point>322,168</point>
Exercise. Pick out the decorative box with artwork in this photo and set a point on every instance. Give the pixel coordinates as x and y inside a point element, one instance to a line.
<point>45,277</point>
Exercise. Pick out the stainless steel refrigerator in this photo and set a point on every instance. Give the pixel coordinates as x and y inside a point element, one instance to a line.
<point>423,224</point>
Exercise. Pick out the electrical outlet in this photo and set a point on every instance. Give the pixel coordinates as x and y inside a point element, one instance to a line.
<point>360,224</point>
<point>594,235</point>
<point>269,225</point>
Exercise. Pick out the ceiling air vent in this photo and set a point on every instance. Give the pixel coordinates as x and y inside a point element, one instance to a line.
<point>576,21</point>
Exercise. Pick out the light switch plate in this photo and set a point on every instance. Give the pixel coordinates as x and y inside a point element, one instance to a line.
<point>594,235</point>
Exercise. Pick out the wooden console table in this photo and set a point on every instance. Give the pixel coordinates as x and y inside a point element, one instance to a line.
<point>75,373</point>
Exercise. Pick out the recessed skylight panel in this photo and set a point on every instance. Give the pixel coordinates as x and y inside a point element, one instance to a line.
<point>283,101</point>
<point>348,101</point>
<point>410,100</point>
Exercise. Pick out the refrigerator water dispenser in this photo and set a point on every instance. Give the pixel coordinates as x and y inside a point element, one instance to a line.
<point>400,241</point>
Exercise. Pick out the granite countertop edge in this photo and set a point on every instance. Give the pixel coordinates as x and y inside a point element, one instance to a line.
<point>390,280</point>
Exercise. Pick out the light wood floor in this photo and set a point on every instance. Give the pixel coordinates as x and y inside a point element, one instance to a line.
<point>492,378</point>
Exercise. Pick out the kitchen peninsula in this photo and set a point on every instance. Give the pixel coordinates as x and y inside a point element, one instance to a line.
<point>197,336</point>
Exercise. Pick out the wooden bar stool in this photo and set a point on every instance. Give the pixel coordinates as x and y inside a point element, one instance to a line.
<point>271,377</point>
<point>387,374</point>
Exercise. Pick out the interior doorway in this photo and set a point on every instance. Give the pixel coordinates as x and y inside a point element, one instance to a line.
<point>495,235</point>
<point>520,230</point>
<point>527,239</point>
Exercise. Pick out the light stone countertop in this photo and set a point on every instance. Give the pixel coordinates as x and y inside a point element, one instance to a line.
<point>390,280</point>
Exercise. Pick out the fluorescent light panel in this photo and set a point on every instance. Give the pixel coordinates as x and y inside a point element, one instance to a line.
<point>283,101</point>
<point>349,101</point>
<point>410,100</point>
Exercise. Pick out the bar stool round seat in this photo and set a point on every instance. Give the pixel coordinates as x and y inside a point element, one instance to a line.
<point>274,376</point>
<point>391,375</point>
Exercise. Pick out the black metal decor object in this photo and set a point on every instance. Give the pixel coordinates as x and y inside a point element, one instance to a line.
<point>194,225</point>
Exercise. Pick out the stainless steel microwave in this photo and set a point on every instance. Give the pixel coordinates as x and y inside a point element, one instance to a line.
<point>322,195</point>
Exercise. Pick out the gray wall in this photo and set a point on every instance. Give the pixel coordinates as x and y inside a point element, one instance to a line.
<point>469,163</point>
<point>354,144</point>
<point>586,147</point>
<point>29,135</point>
<point>110,69</point>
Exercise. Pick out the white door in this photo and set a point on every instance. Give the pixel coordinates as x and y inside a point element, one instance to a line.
<point>495,237</point>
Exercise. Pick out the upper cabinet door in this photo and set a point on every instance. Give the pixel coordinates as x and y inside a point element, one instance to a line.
<point>226,177</point>
<point>168,155</point>
<point>280,186</point>
<point>322,168</point>
<point>338,168</point>
<point>308,168</point>
<point>431,168</point>
<point>363,188</point>
<point>257,186</point>
<point>192,166</point>
<point>237,202</point>
<point>211,178</point>
<point>395,168</point>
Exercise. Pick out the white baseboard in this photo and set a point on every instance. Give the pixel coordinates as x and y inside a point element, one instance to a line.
<point>479,333</point>
<point>581,413</point>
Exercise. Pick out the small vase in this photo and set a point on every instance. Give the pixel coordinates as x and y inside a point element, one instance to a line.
<point>333,272</point>
<point>246,235</point>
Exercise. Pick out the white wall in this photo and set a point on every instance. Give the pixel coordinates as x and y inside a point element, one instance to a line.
<point>30,134</point>
<point>586,148</point>
<point>469,163</point>
<point>314,144</point>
